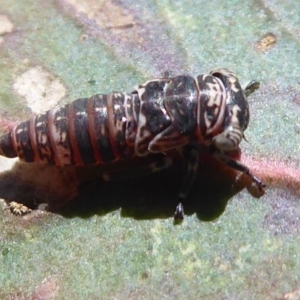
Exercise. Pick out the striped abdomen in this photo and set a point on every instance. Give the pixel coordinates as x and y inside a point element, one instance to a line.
<point>92,130</point>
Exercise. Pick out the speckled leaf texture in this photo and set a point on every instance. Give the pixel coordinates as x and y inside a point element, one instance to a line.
<point>118,241</point>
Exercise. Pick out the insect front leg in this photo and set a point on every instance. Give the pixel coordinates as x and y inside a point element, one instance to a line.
<point>192,157</point>
<point>224,158</point>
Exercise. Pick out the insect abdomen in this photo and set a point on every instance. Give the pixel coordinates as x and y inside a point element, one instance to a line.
<point>92,130</point>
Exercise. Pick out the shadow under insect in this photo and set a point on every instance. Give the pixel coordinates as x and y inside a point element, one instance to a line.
<point>156,195</point>
<point>82,191</point>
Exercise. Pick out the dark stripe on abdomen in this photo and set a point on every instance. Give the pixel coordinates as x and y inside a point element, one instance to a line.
<point>7,148</point>
<point>22,142</point>
<point>79,135</point>
<point>98,128</point>
<point>44,148</point>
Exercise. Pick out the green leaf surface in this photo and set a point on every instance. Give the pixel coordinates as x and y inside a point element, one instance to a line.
<point>122,245</point>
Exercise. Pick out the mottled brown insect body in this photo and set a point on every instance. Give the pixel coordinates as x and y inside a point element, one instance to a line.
<point>160,115</point>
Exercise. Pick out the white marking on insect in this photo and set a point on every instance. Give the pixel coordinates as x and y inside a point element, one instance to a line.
<point>20,130</point>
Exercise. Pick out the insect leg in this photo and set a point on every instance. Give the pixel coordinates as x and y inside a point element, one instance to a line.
<point>239,167</point>
<point>251,87</point>
<point>189,179</point>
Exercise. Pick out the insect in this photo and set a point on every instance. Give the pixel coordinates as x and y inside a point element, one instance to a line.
<point>178,113</point>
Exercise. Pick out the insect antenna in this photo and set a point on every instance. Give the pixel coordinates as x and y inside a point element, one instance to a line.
<point>251,87</point>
